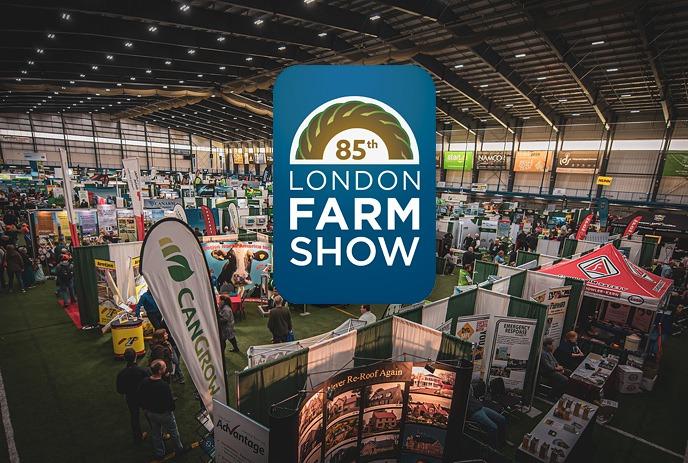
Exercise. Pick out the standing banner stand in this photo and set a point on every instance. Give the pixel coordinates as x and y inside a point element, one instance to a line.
<point>133,173</point>
<point>69,197</point>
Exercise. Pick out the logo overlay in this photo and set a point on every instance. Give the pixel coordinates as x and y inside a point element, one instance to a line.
<point>599,267</point>
<point>354,184</point>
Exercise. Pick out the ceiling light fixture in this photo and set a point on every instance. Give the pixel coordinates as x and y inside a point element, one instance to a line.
<point>563,100</point>
<point>258,22</point>
<point>51,36</point>
<point>149,71</point>
<point>635,111</point>
<point>94,67</point>
<point>132,78</point>
<point>24,71</point>
<point>221,38</point>
<point>612,69</point>
<point>82,75</point>
<point>71,82</point>
<point>307,2</point>
<point>541,78</point>
<point>281,48</point>
<point>599,42</point>
<point>66,16</point>
<point>191,51</point>
<point>164,86</point>
<point>375,17</point>
<point>152,29</point>
<point>458,66</point>
<point>520,55</point>
<point>181,81</point>
<point>199,75</point>
<point>184,7</point>
<point>119,84</point>
<point>322,34</point>
<point>39,51</point>
<point>31,63</point>
<point>484,85</point>
<point>110,57</point>
<point>575,114</point>
<point>249,58</point>
<point>626,95</point>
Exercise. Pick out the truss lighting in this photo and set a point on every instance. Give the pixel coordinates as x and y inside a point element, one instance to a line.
<point>128,44</point>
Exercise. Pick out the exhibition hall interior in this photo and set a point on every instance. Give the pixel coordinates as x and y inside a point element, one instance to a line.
<point>343,231</point>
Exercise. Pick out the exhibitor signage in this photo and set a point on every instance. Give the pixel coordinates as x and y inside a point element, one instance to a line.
<point>354,179</point>
<point>577,162</point>
<point>238,439</point>
<point>491,160</point>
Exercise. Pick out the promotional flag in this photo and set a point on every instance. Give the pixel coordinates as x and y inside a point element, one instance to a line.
<point>69,197</point>
<point>175,269</point>
<point>180,213</point>
<point>133,173</point>
<point>632,226</point>
<point>209,220</point>
<point>583,228</point>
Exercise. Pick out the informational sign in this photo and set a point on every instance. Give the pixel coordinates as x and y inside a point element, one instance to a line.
<point>473,329</point>
<point>532,161</point>
<point>510,351</point>
<point>604,180</point>
<point>479,187</point>
<point>88,221</point>
<point>174,266</point>
<point>126,225</point>
<point>44,223</point>
<point>107,218</point>
<point>356,173</point>
<point>458,160</point>
<point>557,301</point>
<point>390,411</point>
<point>238,157</point>
<point>676,164</point>
<point>165,204</point>
<point>642,319</point>
<point>239,266</point>
<point>491,160</point>
<point>503,228</point>
<point>577,162</point>
<point>36,157</point>
<point>238,439</point>
<point>106,283</point>
<point>559,192</point>
<point>616,313</point>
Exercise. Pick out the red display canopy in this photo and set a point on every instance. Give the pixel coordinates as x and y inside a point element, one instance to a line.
<point>610,276</point>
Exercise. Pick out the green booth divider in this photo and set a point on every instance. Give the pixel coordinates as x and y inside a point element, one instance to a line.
<point>483,270</point>
<point>461,305</point>
<point>575,297</point>
<point>648,251</point>
<point>270,383</point>
<point>516,283</point>
<point>374,342</point>
<point>569,247</point>
<point>85,280</point>
<point>525,256</point>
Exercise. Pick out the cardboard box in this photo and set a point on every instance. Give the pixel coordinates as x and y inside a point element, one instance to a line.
<point>629,388</point>
<point>647,384</point>
<point>629,374</point>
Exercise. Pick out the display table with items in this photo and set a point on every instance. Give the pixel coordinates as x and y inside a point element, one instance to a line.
<point>562,435</point>
<point>593,376</point>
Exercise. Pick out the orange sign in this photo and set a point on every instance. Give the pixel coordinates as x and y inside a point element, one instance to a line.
<point>533,161</point>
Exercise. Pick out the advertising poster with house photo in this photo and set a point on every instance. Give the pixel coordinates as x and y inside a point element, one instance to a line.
<point>557,301</point>
<point>511,343</point>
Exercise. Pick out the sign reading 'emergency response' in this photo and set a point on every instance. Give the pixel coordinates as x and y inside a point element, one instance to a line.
<point>354,184</point>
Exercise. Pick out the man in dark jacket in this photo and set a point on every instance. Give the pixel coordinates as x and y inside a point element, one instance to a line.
<point>279,321</point>
<point>550,370</point>
<point>156,399</point>
<point>467,259</point>
<point>64,274</point>
<point>568,354</point>
<point>532,241</point>
<point>468,241</point>
<point>15,267</point>
<point>147,302</point>
<point>128,382</point>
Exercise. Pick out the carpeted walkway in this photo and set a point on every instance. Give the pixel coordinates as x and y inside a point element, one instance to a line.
<point>60,385</point>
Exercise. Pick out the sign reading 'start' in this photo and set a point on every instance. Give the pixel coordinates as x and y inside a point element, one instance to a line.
<point>354,184</point>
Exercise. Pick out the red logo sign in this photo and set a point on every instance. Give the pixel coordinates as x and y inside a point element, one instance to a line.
<point>632,226</point>
<point>598,267</point>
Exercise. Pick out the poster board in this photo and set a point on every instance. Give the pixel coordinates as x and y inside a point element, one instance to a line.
<point>238,439</point>
<point>510,351</point>
<point>106,283</point>
<point>616,313</point>
<point>473,329</point>
<point>240,264</point>
<point>107,218</point>
<point>126,225</point>
<point>389,411</point>
<point>557,301</point>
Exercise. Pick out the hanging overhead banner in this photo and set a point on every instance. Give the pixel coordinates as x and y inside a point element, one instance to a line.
<point>69,198</point>
<point>175,269</point>
<point>491,160</point>
<point>458,160</point>
<point>583,228</point>
<point>577,162</point>
<point>632,226</point>
<point>676,164</point>
<point>133,174</point>
<point>532,161</point>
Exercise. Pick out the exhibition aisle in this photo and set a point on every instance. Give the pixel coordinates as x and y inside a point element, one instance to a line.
<point>60,387</point>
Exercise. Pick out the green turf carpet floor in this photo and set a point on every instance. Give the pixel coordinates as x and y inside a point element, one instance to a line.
<point>60,385</point>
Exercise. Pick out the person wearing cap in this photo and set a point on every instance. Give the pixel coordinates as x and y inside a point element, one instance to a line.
<point>64,273</point>
<point>128,382</point>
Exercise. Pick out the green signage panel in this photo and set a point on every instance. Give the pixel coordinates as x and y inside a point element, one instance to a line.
<point>458,160</point>
<point>676,164</point>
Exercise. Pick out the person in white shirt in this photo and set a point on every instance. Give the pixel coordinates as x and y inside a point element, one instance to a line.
<point>366,315</point>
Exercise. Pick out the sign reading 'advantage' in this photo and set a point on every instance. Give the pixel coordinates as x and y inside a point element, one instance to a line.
<point>354,184</point>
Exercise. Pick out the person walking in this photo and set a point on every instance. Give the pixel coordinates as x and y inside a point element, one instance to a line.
<point>158,405</point>
<point>161,349</point>
<point>64,274</point>
<point>128,382</point>
<point>15,268</point>
<point>147,302</point>
<point>225,321</point>
<point>279,321</point>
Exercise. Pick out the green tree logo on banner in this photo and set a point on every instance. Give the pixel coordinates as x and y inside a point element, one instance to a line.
<point>182,270</point>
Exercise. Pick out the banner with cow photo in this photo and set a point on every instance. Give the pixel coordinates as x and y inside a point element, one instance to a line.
<point>239,267</point>
<point>174,266</point>
<point>510,351</point>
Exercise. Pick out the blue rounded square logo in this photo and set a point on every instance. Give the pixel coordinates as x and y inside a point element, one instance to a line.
<point>354,184</point>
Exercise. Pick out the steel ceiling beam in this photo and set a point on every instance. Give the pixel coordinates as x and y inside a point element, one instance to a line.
<point>167,12</point>
<point>648,37</point>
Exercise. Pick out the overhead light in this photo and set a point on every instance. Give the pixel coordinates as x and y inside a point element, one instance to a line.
<point>195,112</point>
<point>164,86</point>
<point>458,66</point>
<point>191,51</point>
<point>139,96</point>
<point>80,101</point>
<point>199,75</point>
<point>110,57</point>
<point>281,48</point>
<point>94,67</point>
<point>322,34</point>
<point>152,29</point>
<point>82,75</point>
<point>168,62</point>
<point>128,99</point>
<point>18,79</point>
<point>207,110</point>
<point>31,63</point>
<point>221,38</point>
<point>541,78</point>
<point>249,58</point>
<point>258,22</point>
<point>184,7</point>
<point>149,71</point>
<point>56,93</point>
<point>51,36</point>
<point>132,78</point>
<point>172,116</point>
<point>107,89</point>
<point>599,42</point>
<point>626,95</point>
<point>128,44</point>
<point>575,114</point>
<point>508,106</point>
<point>224,107</point>
<point>66,16</point>
<point>88,97</point>
<point>71,82</point>
<point>39,51</point>
<point>612,69</point>
<point>119,84</point>
<point>520,55</point>
<point>635,111</point>
<point>181,81</point>
<point>375,17</point>
<point>24,71</point>
<point>525,117</point>
<point>308,1</point>
<point>483,85</point>
<point>563,100</point>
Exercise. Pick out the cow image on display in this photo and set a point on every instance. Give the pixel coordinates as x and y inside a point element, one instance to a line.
<point>238,265</point>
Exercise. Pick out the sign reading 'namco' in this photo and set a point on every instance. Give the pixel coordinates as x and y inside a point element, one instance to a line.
<point>354,184</point>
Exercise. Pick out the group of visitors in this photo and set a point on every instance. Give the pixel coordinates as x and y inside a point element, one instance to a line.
<point>557,364</point>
